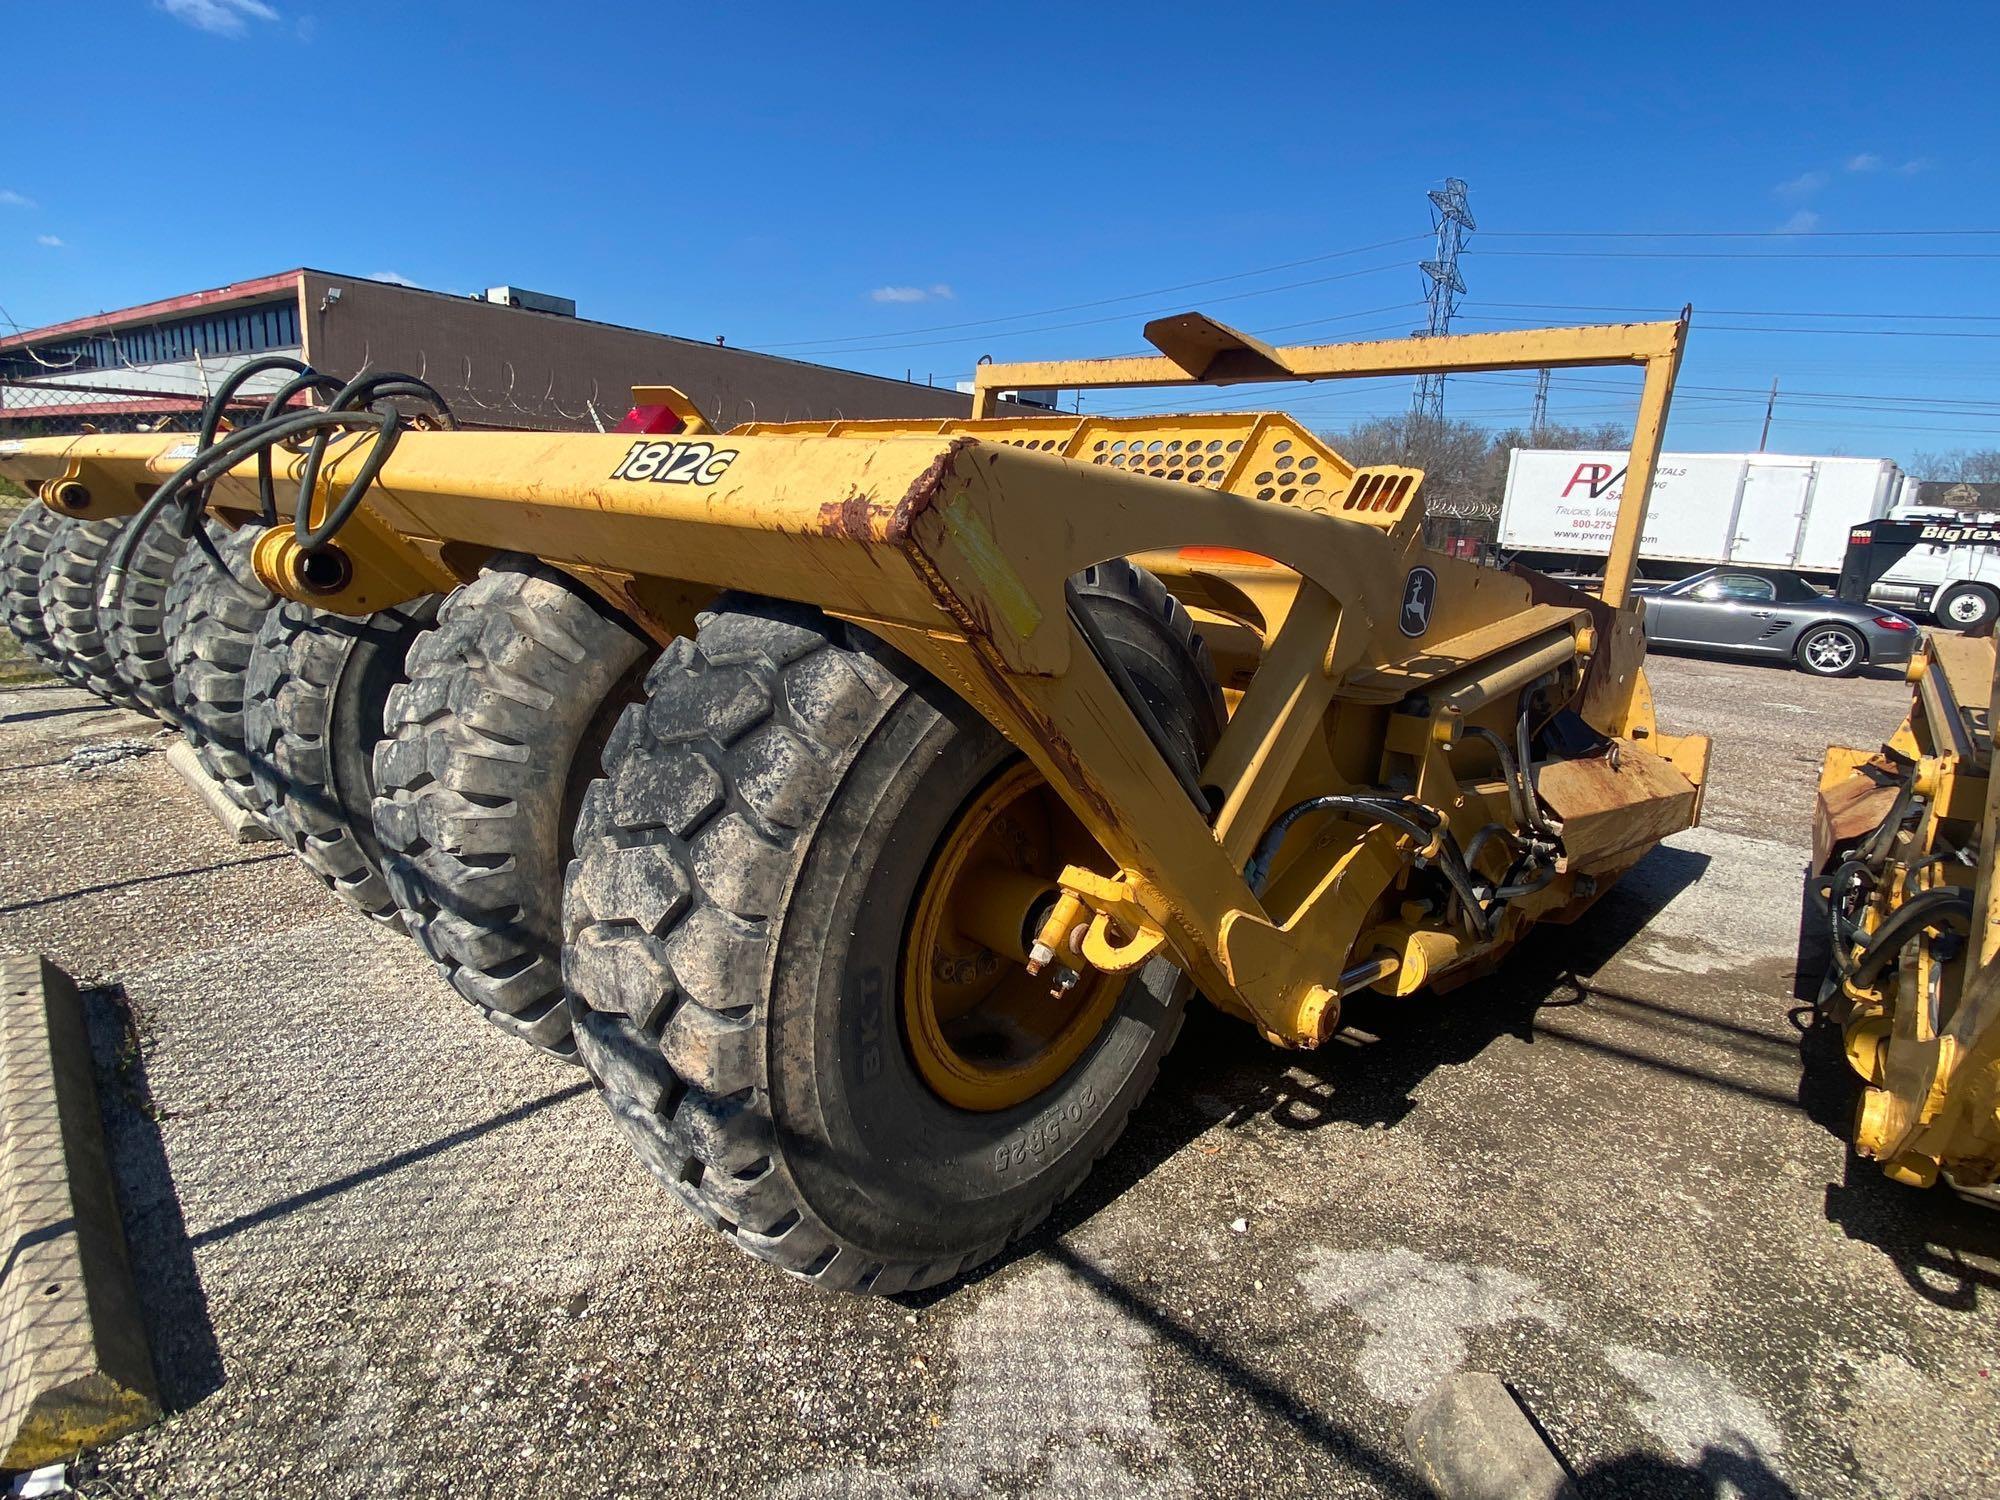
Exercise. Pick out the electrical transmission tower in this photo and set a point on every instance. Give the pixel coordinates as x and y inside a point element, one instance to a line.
<point>1538,423</point>
<point>1451,222</point>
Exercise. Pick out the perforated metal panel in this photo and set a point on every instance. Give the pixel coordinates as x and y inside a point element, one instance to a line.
<point>1262,455</point>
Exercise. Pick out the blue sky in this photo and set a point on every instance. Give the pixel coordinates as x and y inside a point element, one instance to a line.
<point>845,183</point>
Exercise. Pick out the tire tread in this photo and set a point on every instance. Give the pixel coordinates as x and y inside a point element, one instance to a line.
<point>669,952</point>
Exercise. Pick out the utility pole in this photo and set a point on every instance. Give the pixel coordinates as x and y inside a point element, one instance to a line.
<point>1769,407</point>
<point>1539,422</point>
<point>1451,222</point>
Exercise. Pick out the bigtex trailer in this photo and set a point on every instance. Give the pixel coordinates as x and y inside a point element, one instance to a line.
<point>1941,563</point>
<point>862,802</point>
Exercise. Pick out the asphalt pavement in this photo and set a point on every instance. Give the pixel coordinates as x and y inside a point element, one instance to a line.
<point>385,1252</point>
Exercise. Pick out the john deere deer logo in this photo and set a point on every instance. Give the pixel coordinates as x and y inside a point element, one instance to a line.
<point>1419,595</point>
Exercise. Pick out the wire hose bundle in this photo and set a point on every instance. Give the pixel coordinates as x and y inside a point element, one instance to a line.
<point>364,404</point>
<point>1481,900</point>
<point>1860,957</point>
<point>1424,824</point>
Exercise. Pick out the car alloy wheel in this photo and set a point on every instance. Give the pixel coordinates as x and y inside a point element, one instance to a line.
<point>1831,652</point>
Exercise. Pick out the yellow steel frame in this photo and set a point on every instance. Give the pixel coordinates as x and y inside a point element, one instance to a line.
<point>1927,1046</point>
<point>1196,350</point>
<point>954,544</point>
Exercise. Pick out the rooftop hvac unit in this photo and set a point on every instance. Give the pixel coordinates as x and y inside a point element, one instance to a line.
<point>514,296</point>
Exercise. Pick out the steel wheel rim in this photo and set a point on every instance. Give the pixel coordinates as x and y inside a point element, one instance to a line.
<point>1830,652</point>
<point>1964,609</point>
<point>990,1037</point>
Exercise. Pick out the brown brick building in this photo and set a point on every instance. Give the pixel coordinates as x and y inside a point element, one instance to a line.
<point>499,365</point>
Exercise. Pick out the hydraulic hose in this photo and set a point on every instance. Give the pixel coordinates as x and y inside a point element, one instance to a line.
<point>212,413</point>
<point>1363,809</point>
<point>1524,749</point>
<point>1412,818</point>
<point>349,409</point>
<point>354,399</point>
<point>1478,842</point>
<point>1526,807</point>
<point>1876,845</point>
<point>1519,795</point>
<point>307,381</point>
<point>1834,888</point>
<point>1926,909</point>
<point>1526,887</point>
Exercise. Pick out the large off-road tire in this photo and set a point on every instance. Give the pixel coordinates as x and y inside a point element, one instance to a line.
<point>489,747</point>
<point>22,553</point>
<point>136,628</point>
<point>315,693</point>
<point>737,916</point>
<point>78,630</point>
<point>212,621</point>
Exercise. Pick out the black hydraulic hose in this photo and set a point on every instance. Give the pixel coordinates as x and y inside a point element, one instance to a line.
<point>1876,845</point>
<point>1525,887</point>
<point>1944,856</point>
<point>388,429</point>
<point>1412,818</point>
<point>1833,889</point>
<point>206,466</point>
<point>1519,795</point>
<point>1452,863</point>
<point>1477,845</point>
<point>306,381</point>
<point>347,411</point>
<point>353,399</point>
<point>1913,916</point>
<point>212,414</point>
<point>218,403</point>
<point>1362,809</point>
<point>1524,750</point>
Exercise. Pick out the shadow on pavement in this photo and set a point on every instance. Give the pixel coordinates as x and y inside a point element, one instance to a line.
<point>1889,673</point>
<point>1716,1473</point>
<point>30,714</point>
<point>389,1164</point>
<point>120,885</point>
<point>1367,1075</point>
<point>186,1357</point>
<point>1389,1474</point>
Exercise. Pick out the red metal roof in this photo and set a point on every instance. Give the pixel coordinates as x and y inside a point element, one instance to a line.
<point>148,312</point>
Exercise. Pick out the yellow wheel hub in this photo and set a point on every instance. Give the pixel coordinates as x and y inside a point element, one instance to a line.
<point>984,1032</point>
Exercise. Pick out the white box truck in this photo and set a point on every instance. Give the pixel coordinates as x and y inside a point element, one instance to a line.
<point>1768,509</point>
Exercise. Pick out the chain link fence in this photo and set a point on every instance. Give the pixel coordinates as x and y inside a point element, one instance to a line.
<point>59,407</point>
<point>52,408</point>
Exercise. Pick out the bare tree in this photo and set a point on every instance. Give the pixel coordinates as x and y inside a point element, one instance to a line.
<point>1465,467</point>
<point>1453,455</point>
<point>1962,465</point>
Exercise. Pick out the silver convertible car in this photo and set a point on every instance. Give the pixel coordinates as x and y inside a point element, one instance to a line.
<point>1771,613</point>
